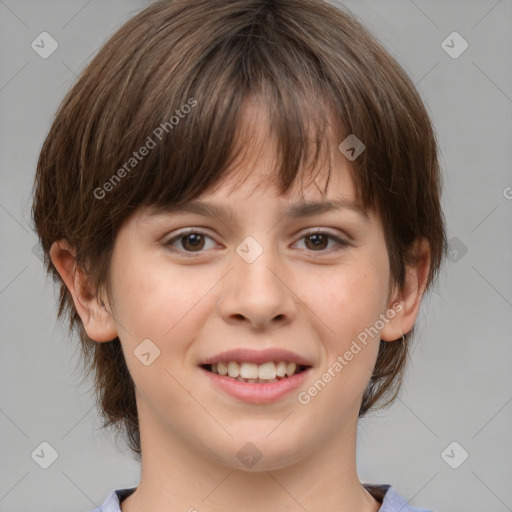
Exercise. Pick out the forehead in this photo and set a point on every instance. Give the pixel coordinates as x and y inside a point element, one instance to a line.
<point>250,184</point>
<point>250,189</point>
<point>256,161</point>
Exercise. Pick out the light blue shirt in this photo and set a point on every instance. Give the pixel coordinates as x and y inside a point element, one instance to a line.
<point>392,502</point>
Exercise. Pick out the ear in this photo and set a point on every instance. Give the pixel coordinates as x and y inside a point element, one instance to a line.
<point>98,322</point>
<point>407,301</point>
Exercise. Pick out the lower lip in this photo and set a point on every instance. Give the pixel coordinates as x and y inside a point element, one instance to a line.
<point>258,393</point>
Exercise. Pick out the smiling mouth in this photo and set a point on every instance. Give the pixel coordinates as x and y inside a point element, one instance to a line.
<point>256,373</point>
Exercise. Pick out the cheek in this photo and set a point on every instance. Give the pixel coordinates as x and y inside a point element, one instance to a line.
<point>353,299</point>
<point>158,301</point>
<point>140,298</point>
<point>350,304</point>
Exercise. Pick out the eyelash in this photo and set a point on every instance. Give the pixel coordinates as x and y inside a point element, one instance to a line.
<point>342,243</point>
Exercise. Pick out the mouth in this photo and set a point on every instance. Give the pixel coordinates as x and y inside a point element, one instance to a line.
<point>253,373</point>
<point>257,376</point>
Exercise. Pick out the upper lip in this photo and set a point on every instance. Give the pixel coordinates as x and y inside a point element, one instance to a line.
<point>257,356</point>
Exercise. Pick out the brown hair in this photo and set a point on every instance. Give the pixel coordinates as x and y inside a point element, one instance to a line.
<point>310,63</point>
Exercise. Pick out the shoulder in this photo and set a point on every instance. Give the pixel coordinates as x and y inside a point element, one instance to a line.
<point>391,500</point>
<point>111,504</point>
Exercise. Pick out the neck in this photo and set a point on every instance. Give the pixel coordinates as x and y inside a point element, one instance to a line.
<point>178,474</point>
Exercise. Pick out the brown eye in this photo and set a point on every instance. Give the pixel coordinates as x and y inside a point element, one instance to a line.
<point>192,242</point>
<point>188,242</point>
<point>318,241</point>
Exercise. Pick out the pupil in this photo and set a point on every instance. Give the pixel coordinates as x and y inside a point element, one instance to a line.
<point>317,239</point>
<point>193,240</point>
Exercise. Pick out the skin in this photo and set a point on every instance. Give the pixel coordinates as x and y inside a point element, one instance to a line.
<point>308,299</point>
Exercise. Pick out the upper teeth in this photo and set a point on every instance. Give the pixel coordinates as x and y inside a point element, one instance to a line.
<point>265,371</point>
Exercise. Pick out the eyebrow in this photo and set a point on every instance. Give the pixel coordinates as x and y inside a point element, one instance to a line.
<point>295,211</point>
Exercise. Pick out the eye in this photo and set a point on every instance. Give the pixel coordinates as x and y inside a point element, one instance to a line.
<point>317,241</point>
<point>194,241</point>
<point>191,241</point>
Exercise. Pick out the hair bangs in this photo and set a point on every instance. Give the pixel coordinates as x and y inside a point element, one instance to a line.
<point>212,141</point>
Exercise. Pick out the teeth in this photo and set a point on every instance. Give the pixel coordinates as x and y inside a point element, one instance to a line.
<point>281,369</point>
<point>267,371</point>
<point>233,369</point>
<point>251,372</point>
<point>255,381</point>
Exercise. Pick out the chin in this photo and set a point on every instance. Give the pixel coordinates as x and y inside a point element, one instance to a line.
<point>259,454</point>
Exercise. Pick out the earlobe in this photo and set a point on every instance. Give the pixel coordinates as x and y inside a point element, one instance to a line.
<point>409,296</point>
<point>98,322</point>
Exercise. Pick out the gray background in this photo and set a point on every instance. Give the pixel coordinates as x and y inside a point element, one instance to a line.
<point>458,385</point>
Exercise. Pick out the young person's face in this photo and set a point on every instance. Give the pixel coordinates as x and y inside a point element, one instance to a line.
<point>284,289</point>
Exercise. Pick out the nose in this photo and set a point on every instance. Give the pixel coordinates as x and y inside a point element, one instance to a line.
<point>259,294</point>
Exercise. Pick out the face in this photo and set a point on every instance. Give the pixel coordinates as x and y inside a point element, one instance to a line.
<point>194,285</point>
